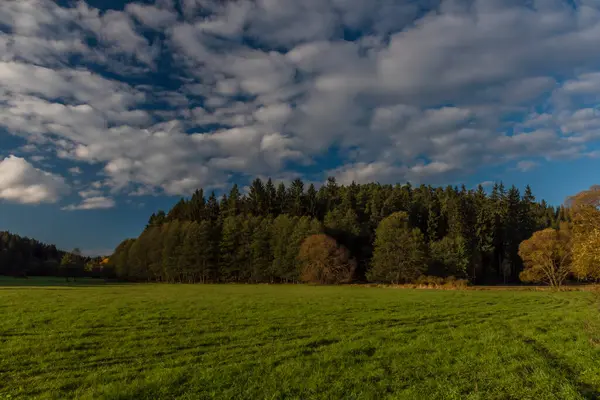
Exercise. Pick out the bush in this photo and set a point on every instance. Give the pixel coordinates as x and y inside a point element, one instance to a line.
<point>438,282</point>
<point>324,261</point>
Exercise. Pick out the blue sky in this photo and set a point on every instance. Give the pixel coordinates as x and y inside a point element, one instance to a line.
<point>112,109</point>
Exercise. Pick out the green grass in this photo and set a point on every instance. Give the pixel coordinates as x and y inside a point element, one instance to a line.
<point>148,341</point>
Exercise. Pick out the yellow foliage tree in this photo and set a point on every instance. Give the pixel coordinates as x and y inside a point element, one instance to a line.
<point>585,212</point>
<point>547,257</point>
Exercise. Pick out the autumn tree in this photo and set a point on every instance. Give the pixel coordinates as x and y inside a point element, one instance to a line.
<point>585,216</point>
<point>324,261</point>
<point>400,251</point>
<point>547,257</point>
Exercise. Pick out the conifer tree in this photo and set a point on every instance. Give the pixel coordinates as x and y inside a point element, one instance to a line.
<point>400,253</point>
<point>229,267</point>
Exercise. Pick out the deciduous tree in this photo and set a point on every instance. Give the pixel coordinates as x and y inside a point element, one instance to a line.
<point>547,257</point>
<point>400,251</point>
<point>324,261</point>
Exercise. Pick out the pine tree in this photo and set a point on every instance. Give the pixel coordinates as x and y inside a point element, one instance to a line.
<point>173,240</point>
<point>271,196</point>
<point>312,203</point>
<point>257,198</point>
<point>179,211</point>
<point>296,198</point>
<point>281,199</point>
<point>233,202</point>
<point>514,233</point>
<point>197,206</point>
<point>261,253</point>
<point>230,241</point>
<point>188,262</point>
<point>212,208</point>
<point>282,229</point>
<point>484,230</point>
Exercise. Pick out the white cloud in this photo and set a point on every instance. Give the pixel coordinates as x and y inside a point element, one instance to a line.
<point>20,182</point>
<point>92,203</point>
<point>526,165</point>
<point>462,85</point>
<point>368,172</point>
<point>151,16</point>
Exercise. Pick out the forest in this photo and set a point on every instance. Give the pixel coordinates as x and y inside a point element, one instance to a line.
<point>21,256</point>
<point>257,236</point>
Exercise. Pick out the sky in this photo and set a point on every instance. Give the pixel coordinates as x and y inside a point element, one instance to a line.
<point>111,110</point>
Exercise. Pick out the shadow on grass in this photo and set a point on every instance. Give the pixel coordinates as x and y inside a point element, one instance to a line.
<point>562,369</point>
<point>7,282</point>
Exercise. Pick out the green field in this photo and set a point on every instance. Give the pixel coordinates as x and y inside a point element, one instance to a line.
<point>151,341</point>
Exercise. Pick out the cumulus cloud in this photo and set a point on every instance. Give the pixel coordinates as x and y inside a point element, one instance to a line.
<point>165,97</point>
<point>21,182</point>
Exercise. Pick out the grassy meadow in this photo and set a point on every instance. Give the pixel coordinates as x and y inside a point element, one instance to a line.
<point>89,340</point>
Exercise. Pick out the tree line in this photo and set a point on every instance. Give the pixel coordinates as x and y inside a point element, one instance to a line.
<point>382,233</point>
<point>21,256</point>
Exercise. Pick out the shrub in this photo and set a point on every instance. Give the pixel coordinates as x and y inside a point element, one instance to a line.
<point>438,282</point>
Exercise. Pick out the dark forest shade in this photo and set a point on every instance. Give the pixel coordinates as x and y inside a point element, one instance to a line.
<point>256,237</point>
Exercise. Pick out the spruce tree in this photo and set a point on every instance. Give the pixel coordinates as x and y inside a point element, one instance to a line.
<point>228,249</point>
<point>400,251</point>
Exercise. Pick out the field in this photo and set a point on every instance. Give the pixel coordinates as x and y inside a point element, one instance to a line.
<point>89,340</point>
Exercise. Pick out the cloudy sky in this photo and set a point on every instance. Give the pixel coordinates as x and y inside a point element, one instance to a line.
<point>113,109</point>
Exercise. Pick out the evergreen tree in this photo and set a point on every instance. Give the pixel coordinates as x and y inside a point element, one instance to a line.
<point>271,196</point>
<point>212,208</point>
<point>261,253</point>
<point>312,202</point>
<point>179,211</point>
<point>282,268</point>
<point>197,206</point>
<point>229,267</point>
<point>173,240</point>
<point>281,199</point>
<point>233,202</point>
<point>296,198</point>
<point>400,253</point>
<point>257,198</point>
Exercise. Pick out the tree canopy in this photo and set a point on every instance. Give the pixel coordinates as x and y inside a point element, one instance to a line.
<point>323,260</point>
<point>400,251</point>
<point>255,235</point>
<point>547,257</point>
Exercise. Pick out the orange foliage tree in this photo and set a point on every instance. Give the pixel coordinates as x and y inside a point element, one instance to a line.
<point>324,261</point>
